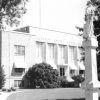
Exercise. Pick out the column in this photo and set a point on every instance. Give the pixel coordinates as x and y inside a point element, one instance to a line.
<point>91,83</point>
<point>46,52</point>
<point>77,59</point>
<point>68,69</point>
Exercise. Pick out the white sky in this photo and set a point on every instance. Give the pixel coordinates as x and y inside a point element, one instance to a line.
<point>60,15</point>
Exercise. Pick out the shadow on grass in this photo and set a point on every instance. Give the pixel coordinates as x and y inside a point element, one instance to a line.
<point>68,99</point>
<point>65,99</point>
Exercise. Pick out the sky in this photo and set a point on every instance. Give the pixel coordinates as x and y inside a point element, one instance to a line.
<point>60,15</point>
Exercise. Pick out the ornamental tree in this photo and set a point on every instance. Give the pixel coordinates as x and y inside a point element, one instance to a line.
<point>11,11</point>
<point>41,75</point>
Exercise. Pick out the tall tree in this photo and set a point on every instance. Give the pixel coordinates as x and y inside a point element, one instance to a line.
<point>11,11</point>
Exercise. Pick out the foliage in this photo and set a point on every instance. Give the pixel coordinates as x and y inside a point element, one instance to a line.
<point>41,75</point>
<point>2,77</point>
<point>78,78</point>
<point>11,11</point>
<point>63,83</point>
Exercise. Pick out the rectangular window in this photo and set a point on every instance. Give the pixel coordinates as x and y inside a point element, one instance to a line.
<point>62,54</point>
<point>81,53</point>
<point>19,50</point>
<point>17,83</point>
<point>72,53</point>
<point>72,72</point>
<point>62,72</point>
<point>39,49</point>
<point>19,70</point>
<point>81,72</point>
<point>62,51</point>
<point>51,50</point>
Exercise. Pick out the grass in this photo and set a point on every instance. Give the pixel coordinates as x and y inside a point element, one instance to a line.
<point>49,94</point>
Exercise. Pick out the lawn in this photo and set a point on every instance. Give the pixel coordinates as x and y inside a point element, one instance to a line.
<point>48,94</point>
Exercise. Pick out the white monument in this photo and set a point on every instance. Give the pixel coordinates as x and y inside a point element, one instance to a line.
<point>90,44</point>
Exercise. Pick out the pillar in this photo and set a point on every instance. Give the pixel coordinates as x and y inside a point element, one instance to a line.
<point>91,83</point>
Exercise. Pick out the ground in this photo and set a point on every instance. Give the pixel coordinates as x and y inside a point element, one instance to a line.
<point>50,94</point>
<point>44,94</point>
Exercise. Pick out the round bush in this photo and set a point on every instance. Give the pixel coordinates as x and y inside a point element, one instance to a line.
<point>41,75</point>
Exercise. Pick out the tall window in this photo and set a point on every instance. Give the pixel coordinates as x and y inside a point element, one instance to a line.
<point>81,53</point>
<point>72,53</point>
<point>62,53</point>
<point>19,50</point>
<point>62,72</point>
<point>39,49</point>
<point>17,83</point>
<point>51,51</point>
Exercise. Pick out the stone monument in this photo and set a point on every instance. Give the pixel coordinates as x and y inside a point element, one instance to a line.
<point>91,84</point>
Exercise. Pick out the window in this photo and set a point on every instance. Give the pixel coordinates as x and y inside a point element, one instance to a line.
<point>72,72</point>
<point>17,83</point>
<point>39,49</point>
<point>62,72</point>
<point>51,51</point>
<point>62,52</point>
<point>19,50</point>
<point>19,70</point>
<point>81,53</point>
<point>81,72</point>
<point>72,54</point>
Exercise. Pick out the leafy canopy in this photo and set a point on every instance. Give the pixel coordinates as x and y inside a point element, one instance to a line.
<point>42,75</point>
<point>11,11</point>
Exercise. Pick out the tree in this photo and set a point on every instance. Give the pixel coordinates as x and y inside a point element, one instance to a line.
<point>2,77</point>
<point>41,75</point>
<point>11,11</point>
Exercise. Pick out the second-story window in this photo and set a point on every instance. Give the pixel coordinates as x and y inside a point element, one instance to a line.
<point>19,50</point>
<point>51,51</point>
<point>39,49</point>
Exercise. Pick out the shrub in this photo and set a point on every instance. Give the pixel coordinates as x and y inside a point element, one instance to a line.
<point>73,84</point>
<point>41,75</point>
<point>3,89</point>
<point>2,77</point>
<point>13,89</point>
<point>63,83</point>
<point>78,78</point>
<point>8,90</point>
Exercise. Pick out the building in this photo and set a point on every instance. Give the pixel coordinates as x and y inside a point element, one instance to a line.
<point>24,47</point>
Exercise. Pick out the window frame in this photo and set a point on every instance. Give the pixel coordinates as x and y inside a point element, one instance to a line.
<point>19,50</point>
<point>62,71</point>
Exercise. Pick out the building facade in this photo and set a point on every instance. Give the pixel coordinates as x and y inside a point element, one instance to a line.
<point>24,47</point>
